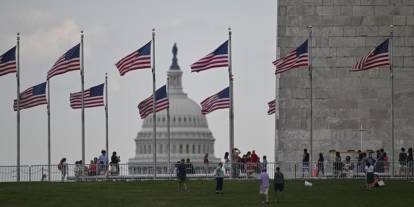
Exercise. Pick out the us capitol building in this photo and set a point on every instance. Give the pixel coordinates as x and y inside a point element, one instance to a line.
<point>190,136</point>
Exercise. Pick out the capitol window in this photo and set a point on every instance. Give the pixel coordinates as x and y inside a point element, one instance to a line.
<point>193,150</point>
<point>145,149</point>
<point>181,149</point>
<point>187,149</point>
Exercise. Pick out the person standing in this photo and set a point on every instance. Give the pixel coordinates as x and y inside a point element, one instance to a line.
<point>369,171</point>
<point>226,162</point>
<point>264,186</point>
<point>206,170</point>
<point>115,163</point>
<point>305,163</point>
<point>321,167</point>
<point>410,161</point>
<point>63,167</point>
<point>402,159</point>
<point>278,183</point>
<point>182,176</point>
<point>219,173</point>
<point>103,162</point>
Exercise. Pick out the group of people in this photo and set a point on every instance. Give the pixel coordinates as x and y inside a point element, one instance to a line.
<point>406,160</point>
<point>181,169</point>
<point>98,166</point>
<point>247,163</point>
<point>345,168</point>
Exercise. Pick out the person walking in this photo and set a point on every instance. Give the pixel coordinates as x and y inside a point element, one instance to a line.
<point>279,184</point>
<point>182,176</point>
<point>219,173</point>
<point>264,186</point>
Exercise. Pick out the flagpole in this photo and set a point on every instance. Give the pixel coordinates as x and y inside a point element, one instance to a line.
<point>276,102</point>
<point>106,114</point>
<point>83,107</point>
<point>392,100</point>
<point>18,103</point>
<point>48,130</point>
<point>231,112</point>
<point>154,116</point>
<point>311,95</point>
<point>168,126</point>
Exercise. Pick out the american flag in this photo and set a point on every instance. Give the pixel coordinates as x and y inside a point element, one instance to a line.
<point>8,62</point>
<point>272,107</point>
<point>379,56</point>
<point>296,58</point>
<point>93,97</point>
<point>161,102</point>
<point>221,100</point>
<point>218,58</point>
<point>67,62</point>
<point>31,97</point>
<point>140,59</point>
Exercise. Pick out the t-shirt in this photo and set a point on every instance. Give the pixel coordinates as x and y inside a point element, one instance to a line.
<point>279,178</point>
<point>219,172</point>
<point>369,169</point>
<point>181,170</point>
<point>264,180</point>
<point>306,157</point>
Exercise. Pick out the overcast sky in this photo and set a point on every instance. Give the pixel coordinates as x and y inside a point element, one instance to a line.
<point>112,30</point>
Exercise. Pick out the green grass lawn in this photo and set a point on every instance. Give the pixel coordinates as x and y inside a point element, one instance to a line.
<point>335,193</point>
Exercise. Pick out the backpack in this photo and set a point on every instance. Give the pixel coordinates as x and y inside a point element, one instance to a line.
<point>60,166</point>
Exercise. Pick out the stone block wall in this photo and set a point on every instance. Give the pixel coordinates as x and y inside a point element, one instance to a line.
<point>343,31</point>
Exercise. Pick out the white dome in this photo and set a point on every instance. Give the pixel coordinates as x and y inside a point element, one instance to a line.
<point>190,136</point>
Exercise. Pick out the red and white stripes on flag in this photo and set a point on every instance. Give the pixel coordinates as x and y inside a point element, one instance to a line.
<point>69,61</point>
<point>161,102</point>
<point>379,56</point>
<point>221,100</point>
<point>8,62</point>
<point>216,59</point>
<point>93,97</point>
<point>296,58</point>
<point>272,107</point>
<point>31,97</point>
<point>139,59</point>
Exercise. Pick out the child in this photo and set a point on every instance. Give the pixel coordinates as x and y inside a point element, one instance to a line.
<point>279,182</point>
<point>264,186</point>
<point>219,173</point>
<point>369,171</point>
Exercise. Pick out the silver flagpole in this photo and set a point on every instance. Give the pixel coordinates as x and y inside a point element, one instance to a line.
<point>169,126</point>
<point>154,116</point>
<point>18,104</point>
<point>83,107</point>
<point>48,130</point>
<point>392,101</point>
<point>311,95</point>
<point>276,103</point>
<point>106,114</point>
<point>231,112</point>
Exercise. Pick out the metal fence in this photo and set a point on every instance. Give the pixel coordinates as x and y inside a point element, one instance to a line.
<point>145,171</point>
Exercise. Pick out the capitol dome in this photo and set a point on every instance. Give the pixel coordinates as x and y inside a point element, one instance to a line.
<point>190,136</point>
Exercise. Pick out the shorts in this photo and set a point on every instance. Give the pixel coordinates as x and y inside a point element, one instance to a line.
<point>279,187</point>
<point>264,190</point>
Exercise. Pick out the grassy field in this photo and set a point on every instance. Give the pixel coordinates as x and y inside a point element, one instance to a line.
<point>236,193</point>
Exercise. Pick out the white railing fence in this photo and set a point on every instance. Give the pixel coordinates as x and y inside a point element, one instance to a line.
<point>145,171</point>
